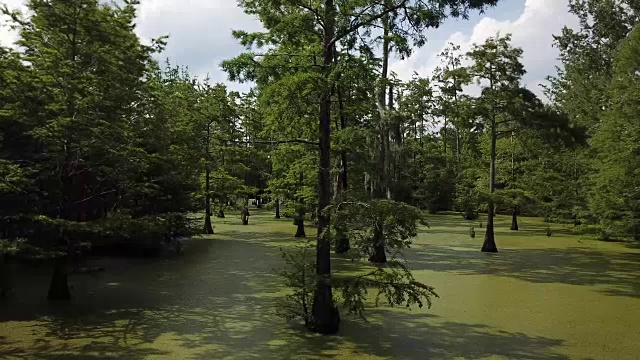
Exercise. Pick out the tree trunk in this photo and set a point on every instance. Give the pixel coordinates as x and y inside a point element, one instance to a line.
<point>514,219</point>
<point>489,237</point>
<point>457,145</point>
<point>325,316</point>
<point>383,175</point>
<point>397,192</point>
<point>59,287</point>
<point>382,188</point>
<point>489,244</point>
<point>444,138</point>
<point>378,256</point>
<point>208,229</point>
<point>300,222</point>
<point>220,214</point>
<point>344,171</point>
<point>342,241</point>
<point>277,209</point>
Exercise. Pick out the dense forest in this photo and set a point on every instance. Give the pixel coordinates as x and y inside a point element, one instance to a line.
<point>105,150</point>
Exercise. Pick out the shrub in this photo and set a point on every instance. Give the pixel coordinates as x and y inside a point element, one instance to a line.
<point>299,275</point>
<point>393,283</point>
<point>115,230</point>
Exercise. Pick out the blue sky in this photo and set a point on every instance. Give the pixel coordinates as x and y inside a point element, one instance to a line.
<point>200,34</point>
<point>505,10</point>
<point>532,24</point>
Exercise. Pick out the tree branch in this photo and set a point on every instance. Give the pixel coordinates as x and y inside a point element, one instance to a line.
<point>274,142</point>
<point>352,203</point>
<point>94,196</point>
<point>315,12</point>
<point>505,132</point>
<point>362,23</point>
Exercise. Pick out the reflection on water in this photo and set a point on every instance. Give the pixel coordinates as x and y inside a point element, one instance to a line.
<point>538,298</point>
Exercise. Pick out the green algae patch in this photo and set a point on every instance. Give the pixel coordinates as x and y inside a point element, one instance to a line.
<point>539,297</point>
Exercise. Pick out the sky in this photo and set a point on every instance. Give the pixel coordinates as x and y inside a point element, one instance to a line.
<point>200,35</point>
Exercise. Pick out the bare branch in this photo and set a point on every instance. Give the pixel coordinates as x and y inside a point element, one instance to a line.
<point>94,196</point>
<point>273,142</point>
<point>352,203</point>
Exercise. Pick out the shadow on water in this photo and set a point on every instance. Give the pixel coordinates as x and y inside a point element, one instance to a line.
<point>428,337</point>
<point>242,333</point>
<point>216,301</point>
<point>615,270</point>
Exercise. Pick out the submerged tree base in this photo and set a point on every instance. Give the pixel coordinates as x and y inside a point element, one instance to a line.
<point>379,256</point>
<point>489,244</point>
<point>514,221</point>
<point>59,287</point>
<point>208,228</point>
<point>325,314</point>
<point>342,245</point>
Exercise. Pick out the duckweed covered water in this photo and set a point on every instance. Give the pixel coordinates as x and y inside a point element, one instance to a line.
<point>562,297</point>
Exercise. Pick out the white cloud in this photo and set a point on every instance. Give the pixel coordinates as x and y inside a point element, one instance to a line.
<point>8,36</point>
<point>199,32</point>
<point>200,35</point>
<point>532,30</point>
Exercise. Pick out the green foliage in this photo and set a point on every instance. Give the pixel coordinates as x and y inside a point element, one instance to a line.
<point>294,178</point>
<point>615,197</point>
<point>393,283</point>
<point>467,194</point>
<point>86,136</point>
<point>393,222</point>
<point>117,229</point>
<point>299,276</point>
<point>596,90</point>
<point>12,246</point>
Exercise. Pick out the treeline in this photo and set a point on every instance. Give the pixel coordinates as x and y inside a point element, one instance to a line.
<point>322,76</point>
<point>100,147</point>
<point>428,143</point>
